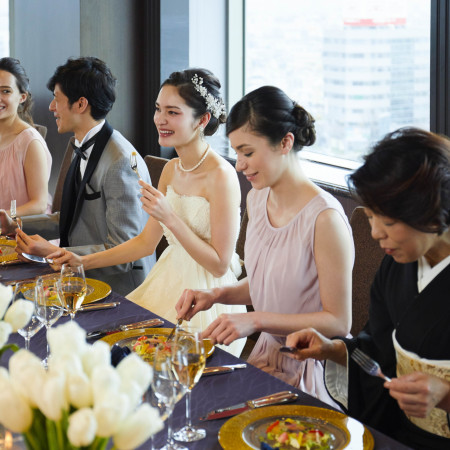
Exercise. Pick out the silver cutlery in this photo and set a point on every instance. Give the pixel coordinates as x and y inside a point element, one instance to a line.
<point>131,326</point>
<point>96,307</point>
<point>172,333</point>
<point>368,364</point>
<point>133,164</point>
<point>226,368</point>
<point>38,259</point>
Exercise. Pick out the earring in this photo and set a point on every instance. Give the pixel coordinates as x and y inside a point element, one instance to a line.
<point>202,133</point>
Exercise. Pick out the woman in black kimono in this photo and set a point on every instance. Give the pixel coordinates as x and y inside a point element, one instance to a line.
<point>404,186</point>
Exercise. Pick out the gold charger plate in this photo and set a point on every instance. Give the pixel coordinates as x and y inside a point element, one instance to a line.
<point>8,253</point>
<point>126,338</point>
<point>96,289</point>
<point>244,430</point>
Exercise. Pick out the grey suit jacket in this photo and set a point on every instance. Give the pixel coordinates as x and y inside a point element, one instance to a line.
<point>111,213</point>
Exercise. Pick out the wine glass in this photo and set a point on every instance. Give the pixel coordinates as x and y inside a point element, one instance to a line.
<point>167,390</point>
<point>188,362</point>
<point>73,287</point>
<point>49,304</point>
<point>26,292</point>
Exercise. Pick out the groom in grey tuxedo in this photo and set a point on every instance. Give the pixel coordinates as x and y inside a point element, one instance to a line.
<point>100,205</point>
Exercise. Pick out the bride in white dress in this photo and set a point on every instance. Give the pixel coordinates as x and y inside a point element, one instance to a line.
<point>196,206</point>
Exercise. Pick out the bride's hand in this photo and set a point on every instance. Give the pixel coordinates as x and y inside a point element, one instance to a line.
<point>155,203</point>
<point>63,256</point>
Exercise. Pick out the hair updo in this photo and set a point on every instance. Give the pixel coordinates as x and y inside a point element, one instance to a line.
<point>407,177</point>
<point>270,113</point>
<point>14,67</point>
<point>186,89</point>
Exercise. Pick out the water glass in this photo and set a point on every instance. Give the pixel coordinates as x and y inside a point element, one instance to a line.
<point>26,292</point>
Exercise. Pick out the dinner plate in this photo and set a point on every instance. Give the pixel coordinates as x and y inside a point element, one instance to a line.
<point>245,430</point>
<point>128,338</point>
<point>8,253</point>
<point>96,289</point>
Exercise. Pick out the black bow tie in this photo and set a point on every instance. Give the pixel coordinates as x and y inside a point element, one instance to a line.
<point>80,150</point>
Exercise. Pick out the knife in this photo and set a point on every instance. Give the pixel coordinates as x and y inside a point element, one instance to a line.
<point>273,399</point>
<point>130,326</point>
<point>38,259</point>
<point>222,369</point>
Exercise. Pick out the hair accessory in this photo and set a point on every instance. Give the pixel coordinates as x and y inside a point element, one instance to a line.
<point>180,164</point>
<point>216,106</point>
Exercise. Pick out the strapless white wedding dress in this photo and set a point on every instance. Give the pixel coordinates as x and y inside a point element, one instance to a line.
<point>176,270</point>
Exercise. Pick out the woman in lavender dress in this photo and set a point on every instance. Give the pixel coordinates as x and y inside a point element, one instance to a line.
<point>298,250</point>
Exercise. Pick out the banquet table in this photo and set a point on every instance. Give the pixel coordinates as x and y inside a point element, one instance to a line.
<point>210,393</point>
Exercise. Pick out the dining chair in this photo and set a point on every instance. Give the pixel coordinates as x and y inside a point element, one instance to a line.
<point>155,165</point>
<point>57,196</point>
<point>368,256</point>
<point>42,129</point>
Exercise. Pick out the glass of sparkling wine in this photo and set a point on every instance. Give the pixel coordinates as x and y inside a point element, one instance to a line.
<point>26,294</point>
<point>188,362</point>
<point>73,287</point>
<point>49,304</point>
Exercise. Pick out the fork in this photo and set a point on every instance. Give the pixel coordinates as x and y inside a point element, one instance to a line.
<point>172,333</point>
<point>368,364</point>
<point>133,164</point>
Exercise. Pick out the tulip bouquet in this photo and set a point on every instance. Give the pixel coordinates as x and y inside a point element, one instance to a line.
<point>81,401</point>
<point>13,317</point>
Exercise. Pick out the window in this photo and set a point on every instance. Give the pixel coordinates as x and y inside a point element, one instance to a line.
<point>4,28</point>
<point>361,68</point>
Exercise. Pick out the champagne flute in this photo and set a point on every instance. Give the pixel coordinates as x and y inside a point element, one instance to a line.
<point>73,287</point>
<point>188,362</point>
<point>167,390</point>
<point>26,292</point>
<point>49,305</point>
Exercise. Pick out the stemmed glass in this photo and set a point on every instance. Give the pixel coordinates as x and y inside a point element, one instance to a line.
<point>49,304</point>
<point>27,292</point>
<point>188,362</point>
<point>73,287</point>
<point>167,390</point>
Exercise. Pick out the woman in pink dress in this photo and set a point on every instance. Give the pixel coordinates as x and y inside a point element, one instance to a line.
<point>25,161</point>
<point>298,250</point>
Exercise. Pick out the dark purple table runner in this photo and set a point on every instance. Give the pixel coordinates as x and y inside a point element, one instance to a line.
<point>210,393</point>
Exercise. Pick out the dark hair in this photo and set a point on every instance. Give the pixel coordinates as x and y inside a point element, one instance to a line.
<point>270,113</point>
<point>183,81</point>
<point>407,177</point>
<point>14,67</point>
<point>86,77</point>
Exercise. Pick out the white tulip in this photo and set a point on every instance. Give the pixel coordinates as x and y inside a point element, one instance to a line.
<point>68,338</point>
<point>15,412</point>
<point>52,399</point>
<point>5,331</point>
<point>110,414</point>
<point>82,427</point>
<point>133,391</point>
<point>135,368</point>
<point>27,374</point>
<point>105,382</point>
<point>69,363</point>
<point>19,314</point>
<point>98,354</point>
<point>6,293</point>
<point>138,427</point>
<point>79,390</point>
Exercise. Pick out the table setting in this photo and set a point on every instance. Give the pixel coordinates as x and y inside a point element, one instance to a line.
<point>231,402</point>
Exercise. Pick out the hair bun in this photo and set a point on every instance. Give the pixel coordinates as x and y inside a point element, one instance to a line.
<point>306,131</point>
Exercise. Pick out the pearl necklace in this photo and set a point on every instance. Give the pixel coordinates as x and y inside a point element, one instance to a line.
<point>180,164</point>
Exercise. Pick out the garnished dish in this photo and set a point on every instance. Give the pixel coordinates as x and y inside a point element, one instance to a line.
<point>143,341</point>
<point>280,427</point>
<point>7,251</point>
<point>145,346</point>
<point>289,433</point>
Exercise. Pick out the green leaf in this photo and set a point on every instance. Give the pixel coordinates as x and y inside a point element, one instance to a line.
<point>12,347</point>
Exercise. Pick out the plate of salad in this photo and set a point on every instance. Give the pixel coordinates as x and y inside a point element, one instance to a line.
<point>294,427</point>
